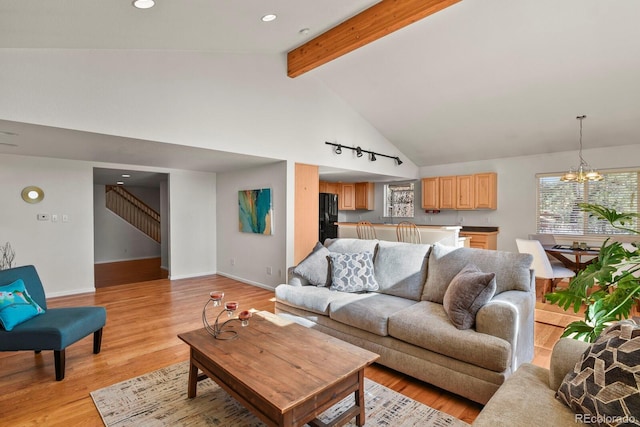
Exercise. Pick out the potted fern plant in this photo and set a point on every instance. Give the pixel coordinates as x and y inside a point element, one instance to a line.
<point>608,287</point>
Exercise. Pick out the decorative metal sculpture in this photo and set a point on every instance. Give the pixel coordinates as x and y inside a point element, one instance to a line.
<point>218,329</point>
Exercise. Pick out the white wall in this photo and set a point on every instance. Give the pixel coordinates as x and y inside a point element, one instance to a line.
<point>231,102</point>
<point>61,251</point>
<point>192,224</point>
<point>253,253</point>
<point>114,238</point>
<point>516,213</point>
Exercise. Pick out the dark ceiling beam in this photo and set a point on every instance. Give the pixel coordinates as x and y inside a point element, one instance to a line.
<point>369,25</point>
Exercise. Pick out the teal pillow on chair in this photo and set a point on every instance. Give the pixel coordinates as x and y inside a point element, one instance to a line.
<point>16,305</point>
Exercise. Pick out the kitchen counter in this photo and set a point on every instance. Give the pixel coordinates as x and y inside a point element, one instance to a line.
<point>430,234</point>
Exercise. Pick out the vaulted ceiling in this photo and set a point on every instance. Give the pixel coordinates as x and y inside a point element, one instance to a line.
<point>479,79</point>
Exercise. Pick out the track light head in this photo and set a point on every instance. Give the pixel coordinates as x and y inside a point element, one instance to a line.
<point>398,161</point>
<point>373,157</point>
<point>338,150</point>
<point>358,151</point>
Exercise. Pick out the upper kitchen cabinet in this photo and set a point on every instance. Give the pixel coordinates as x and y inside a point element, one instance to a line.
<point>486,186</point>
<point>448,192</point>
<point>347,197</point>
<point>330,187</point>
<point>365,195</point>
<point>465,192</point>
<point>431,193</point>
<point>462,192</point>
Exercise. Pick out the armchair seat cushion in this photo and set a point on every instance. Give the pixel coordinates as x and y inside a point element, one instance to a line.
<point>54,329</point>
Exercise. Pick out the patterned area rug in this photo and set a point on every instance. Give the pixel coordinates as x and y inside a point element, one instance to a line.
<point>159,398</point>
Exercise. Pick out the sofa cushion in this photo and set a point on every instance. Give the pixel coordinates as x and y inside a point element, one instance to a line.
<point>605,383</point>
<point>352,272</point>
<point>311,298</point>
<point>16,305</point>
<point>315,267</point>
<point>426,325</point>
<point>511,268</point>
<point>349,246</point>
<point>468,291</point>
<point>401,268</point>
<point>369,312</point>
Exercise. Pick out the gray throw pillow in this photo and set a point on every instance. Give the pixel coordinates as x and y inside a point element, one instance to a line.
<point>469,290</point>
<point>352,272</point>
<point>315,267</point>
<point>603,386</point>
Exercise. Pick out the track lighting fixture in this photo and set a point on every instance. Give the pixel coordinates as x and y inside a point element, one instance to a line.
<point>359,152</point>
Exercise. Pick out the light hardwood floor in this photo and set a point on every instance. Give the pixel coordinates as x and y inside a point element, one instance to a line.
<point>143,320</point>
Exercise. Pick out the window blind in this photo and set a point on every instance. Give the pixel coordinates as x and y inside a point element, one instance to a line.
<point>558,210</point>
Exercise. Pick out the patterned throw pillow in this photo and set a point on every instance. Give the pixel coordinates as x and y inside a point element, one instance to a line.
<point>352,272</point>
<point>16,305</point>
<point>604,387</point>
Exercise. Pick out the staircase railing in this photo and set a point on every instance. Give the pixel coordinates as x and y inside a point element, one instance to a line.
<point>133,210</point>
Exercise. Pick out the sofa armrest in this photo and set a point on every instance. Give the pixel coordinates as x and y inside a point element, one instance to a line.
<point>564,357</point>
<point>294,279</point>
<point>509,315</point>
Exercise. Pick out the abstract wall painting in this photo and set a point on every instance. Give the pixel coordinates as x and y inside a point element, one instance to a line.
<point>255,211</point>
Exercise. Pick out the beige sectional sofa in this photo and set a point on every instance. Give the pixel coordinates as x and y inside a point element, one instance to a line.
<point>405,321</point>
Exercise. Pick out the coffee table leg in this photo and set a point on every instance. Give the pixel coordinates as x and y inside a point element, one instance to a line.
<point>360,418</point>
<point>193,380</point>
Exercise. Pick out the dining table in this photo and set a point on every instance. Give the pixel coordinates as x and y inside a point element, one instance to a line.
<point>571,257</point>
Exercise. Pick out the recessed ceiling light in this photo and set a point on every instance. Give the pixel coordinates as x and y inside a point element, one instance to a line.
<point>144,4</point>
<point>126,175</point>
<point>120,183</point>
<point>268,18</point>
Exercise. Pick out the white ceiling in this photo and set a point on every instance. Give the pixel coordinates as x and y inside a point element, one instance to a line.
<point>481,79</point>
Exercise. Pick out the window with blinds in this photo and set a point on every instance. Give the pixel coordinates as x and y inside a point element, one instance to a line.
<point>558,211</point>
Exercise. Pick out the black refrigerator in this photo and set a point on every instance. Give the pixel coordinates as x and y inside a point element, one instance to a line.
<point>328,216</point>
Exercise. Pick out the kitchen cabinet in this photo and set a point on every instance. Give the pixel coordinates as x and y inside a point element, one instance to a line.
<point>481,240</point>
<point>351,195</point>
<point>347,197</point>
<point>465,192</point>
<point>365,195</point>
<point>486,185</point>
<point>448,193</point>
<point>461,192</point>
<point>431,193</point>
<point>329,187</point>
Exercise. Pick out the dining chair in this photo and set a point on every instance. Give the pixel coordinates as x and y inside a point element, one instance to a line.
<point>408,232</point>
<point>551,274</point>
<point>547,239</point>
<point>366,231</point>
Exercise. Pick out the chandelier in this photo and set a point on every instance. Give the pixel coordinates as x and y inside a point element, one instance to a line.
<point>584,172</point>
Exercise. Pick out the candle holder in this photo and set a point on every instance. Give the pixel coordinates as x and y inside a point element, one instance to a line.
<point>218,329</point>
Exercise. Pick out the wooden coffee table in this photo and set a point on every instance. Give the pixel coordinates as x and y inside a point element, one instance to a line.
<point>285,373</point>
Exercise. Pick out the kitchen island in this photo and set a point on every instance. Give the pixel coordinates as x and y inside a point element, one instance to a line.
<point>448,235</point>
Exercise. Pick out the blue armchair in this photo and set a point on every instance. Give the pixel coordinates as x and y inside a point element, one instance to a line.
<point>56,328</point>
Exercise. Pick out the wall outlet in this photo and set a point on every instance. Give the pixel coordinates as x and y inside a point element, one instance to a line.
<point>65,218</point>
<point>232,261</point>
<point>43,217</point>
<point>269,271</point>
